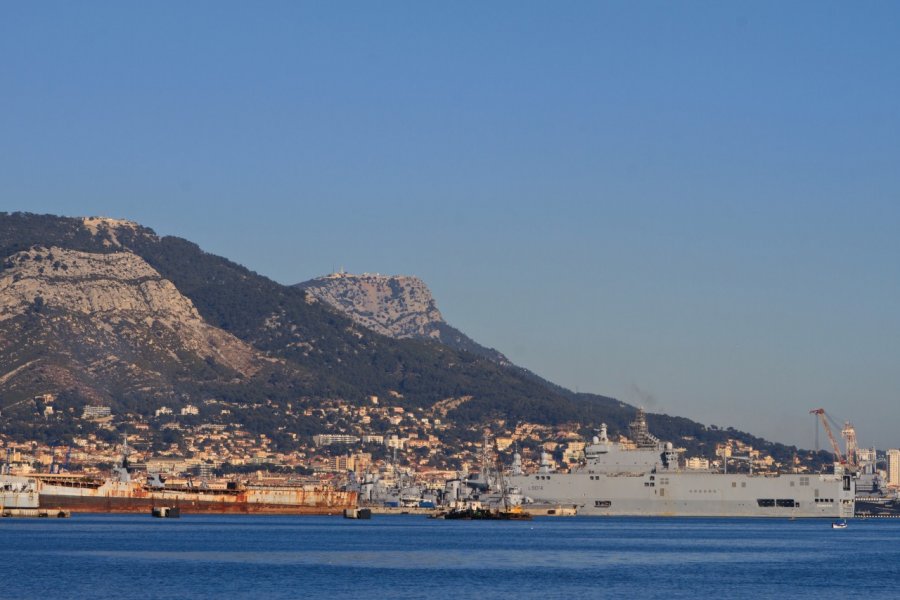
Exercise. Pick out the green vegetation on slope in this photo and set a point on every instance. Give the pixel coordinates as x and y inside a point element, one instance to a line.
<point>328,356</point>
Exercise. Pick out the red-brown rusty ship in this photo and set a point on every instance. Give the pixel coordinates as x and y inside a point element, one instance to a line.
<point>86,494</point>
<point>124,495</point>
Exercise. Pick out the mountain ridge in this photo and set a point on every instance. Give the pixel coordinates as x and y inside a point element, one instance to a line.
<point>307,352</point>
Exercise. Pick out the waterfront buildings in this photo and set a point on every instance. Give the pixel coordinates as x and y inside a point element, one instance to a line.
<point>893,467</point>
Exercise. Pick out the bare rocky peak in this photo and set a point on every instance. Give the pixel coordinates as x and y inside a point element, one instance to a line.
<point>108,228</point>
<point>397,306</point>
<point>117,288</point>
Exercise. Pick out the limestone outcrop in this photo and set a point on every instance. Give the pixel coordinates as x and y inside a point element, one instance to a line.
<point>113,291</point>
<point>398,306</point>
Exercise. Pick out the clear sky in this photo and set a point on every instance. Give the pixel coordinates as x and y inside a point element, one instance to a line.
<point>692,206</point>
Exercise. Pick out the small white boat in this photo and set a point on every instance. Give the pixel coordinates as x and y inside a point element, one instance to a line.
<point>839,525</point>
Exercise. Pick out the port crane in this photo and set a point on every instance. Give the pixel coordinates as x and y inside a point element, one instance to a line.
<point>824,418</point>
<point>848,432</point>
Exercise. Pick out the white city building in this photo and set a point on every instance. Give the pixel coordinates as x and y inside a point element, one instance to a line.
<point>893,467</point>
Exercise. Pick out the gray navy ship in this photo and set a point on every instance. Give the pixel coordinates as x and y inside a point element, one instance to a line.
<point>645,478</point>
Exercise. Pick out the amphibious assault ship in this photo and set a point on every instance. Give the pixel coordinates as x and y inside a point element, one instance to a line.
<point>644,478</point>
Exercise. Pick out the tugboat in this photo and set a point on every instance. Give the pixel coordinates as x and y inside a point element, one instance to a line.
<point>470,510</point>
<point>491,498</point>
<point>470,513</point>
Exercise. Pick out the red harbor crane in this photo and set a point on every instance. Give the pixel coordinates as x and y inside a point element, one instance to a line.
<point>824,418</point>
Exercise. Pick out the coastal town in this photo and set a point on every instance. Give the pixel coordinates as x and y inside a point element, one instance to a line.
<point>352,438</point>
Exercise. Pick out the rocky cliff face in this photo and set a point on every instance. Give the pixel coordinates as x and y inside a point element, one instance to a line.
<point>108,229</point>
<point>398,306</point>
<point>105,324</point>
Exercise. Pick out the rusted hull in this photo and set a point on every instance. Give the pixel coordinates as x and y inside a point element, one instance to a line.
<point>141,505</point>
<point>135,499</point>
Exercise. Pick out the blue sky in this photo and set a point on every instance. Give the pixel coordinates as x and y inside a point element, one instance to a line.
<point>692,206</point>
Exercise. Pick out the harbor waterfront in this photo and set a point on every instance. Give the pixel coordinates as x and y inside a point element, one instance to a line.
<point>211,556</point>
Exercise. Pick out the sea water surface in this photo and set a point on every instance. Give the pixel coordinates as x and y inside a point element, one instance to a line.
<point>222,556</point>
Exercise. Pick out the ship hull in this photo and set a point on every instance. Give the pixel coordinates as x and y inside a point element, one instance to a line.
<point>111,497</point>
<point>141,505</point>
<point>643,478</point>
<point>693,494</point>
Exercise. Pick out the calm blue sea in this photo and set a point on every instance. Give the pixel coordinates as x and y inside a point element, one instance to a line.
<point>136,556</point>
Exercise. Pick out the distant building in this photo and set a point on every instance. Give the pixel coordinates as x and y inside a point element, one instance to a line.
<point>338,463</point>
<point>396,441</point>
<point>96,412</point>
<point>218,427</point>
<point>867,458</point>
<point>503,443</point>
<point>204,470</point>
<point>893,467</point>
<point>359,462</point>
<point>326,439</point>
<point>574,452</point>
<point>696,463</point>
<point>190,409</point>
<point>166,465</point>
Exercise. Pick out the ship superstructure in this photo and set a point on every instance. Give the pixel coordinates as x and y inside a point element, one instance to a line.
<point>644,477</point>
<point>18,492</point>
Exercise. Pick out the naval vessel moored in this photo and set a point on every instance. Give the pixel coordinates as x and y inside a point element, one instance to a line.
<point>122,494</point>
<point>645,479</point>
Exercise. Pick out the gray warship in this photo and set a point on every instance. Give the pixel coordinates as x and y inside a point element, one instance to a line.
<point>645,478</point>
